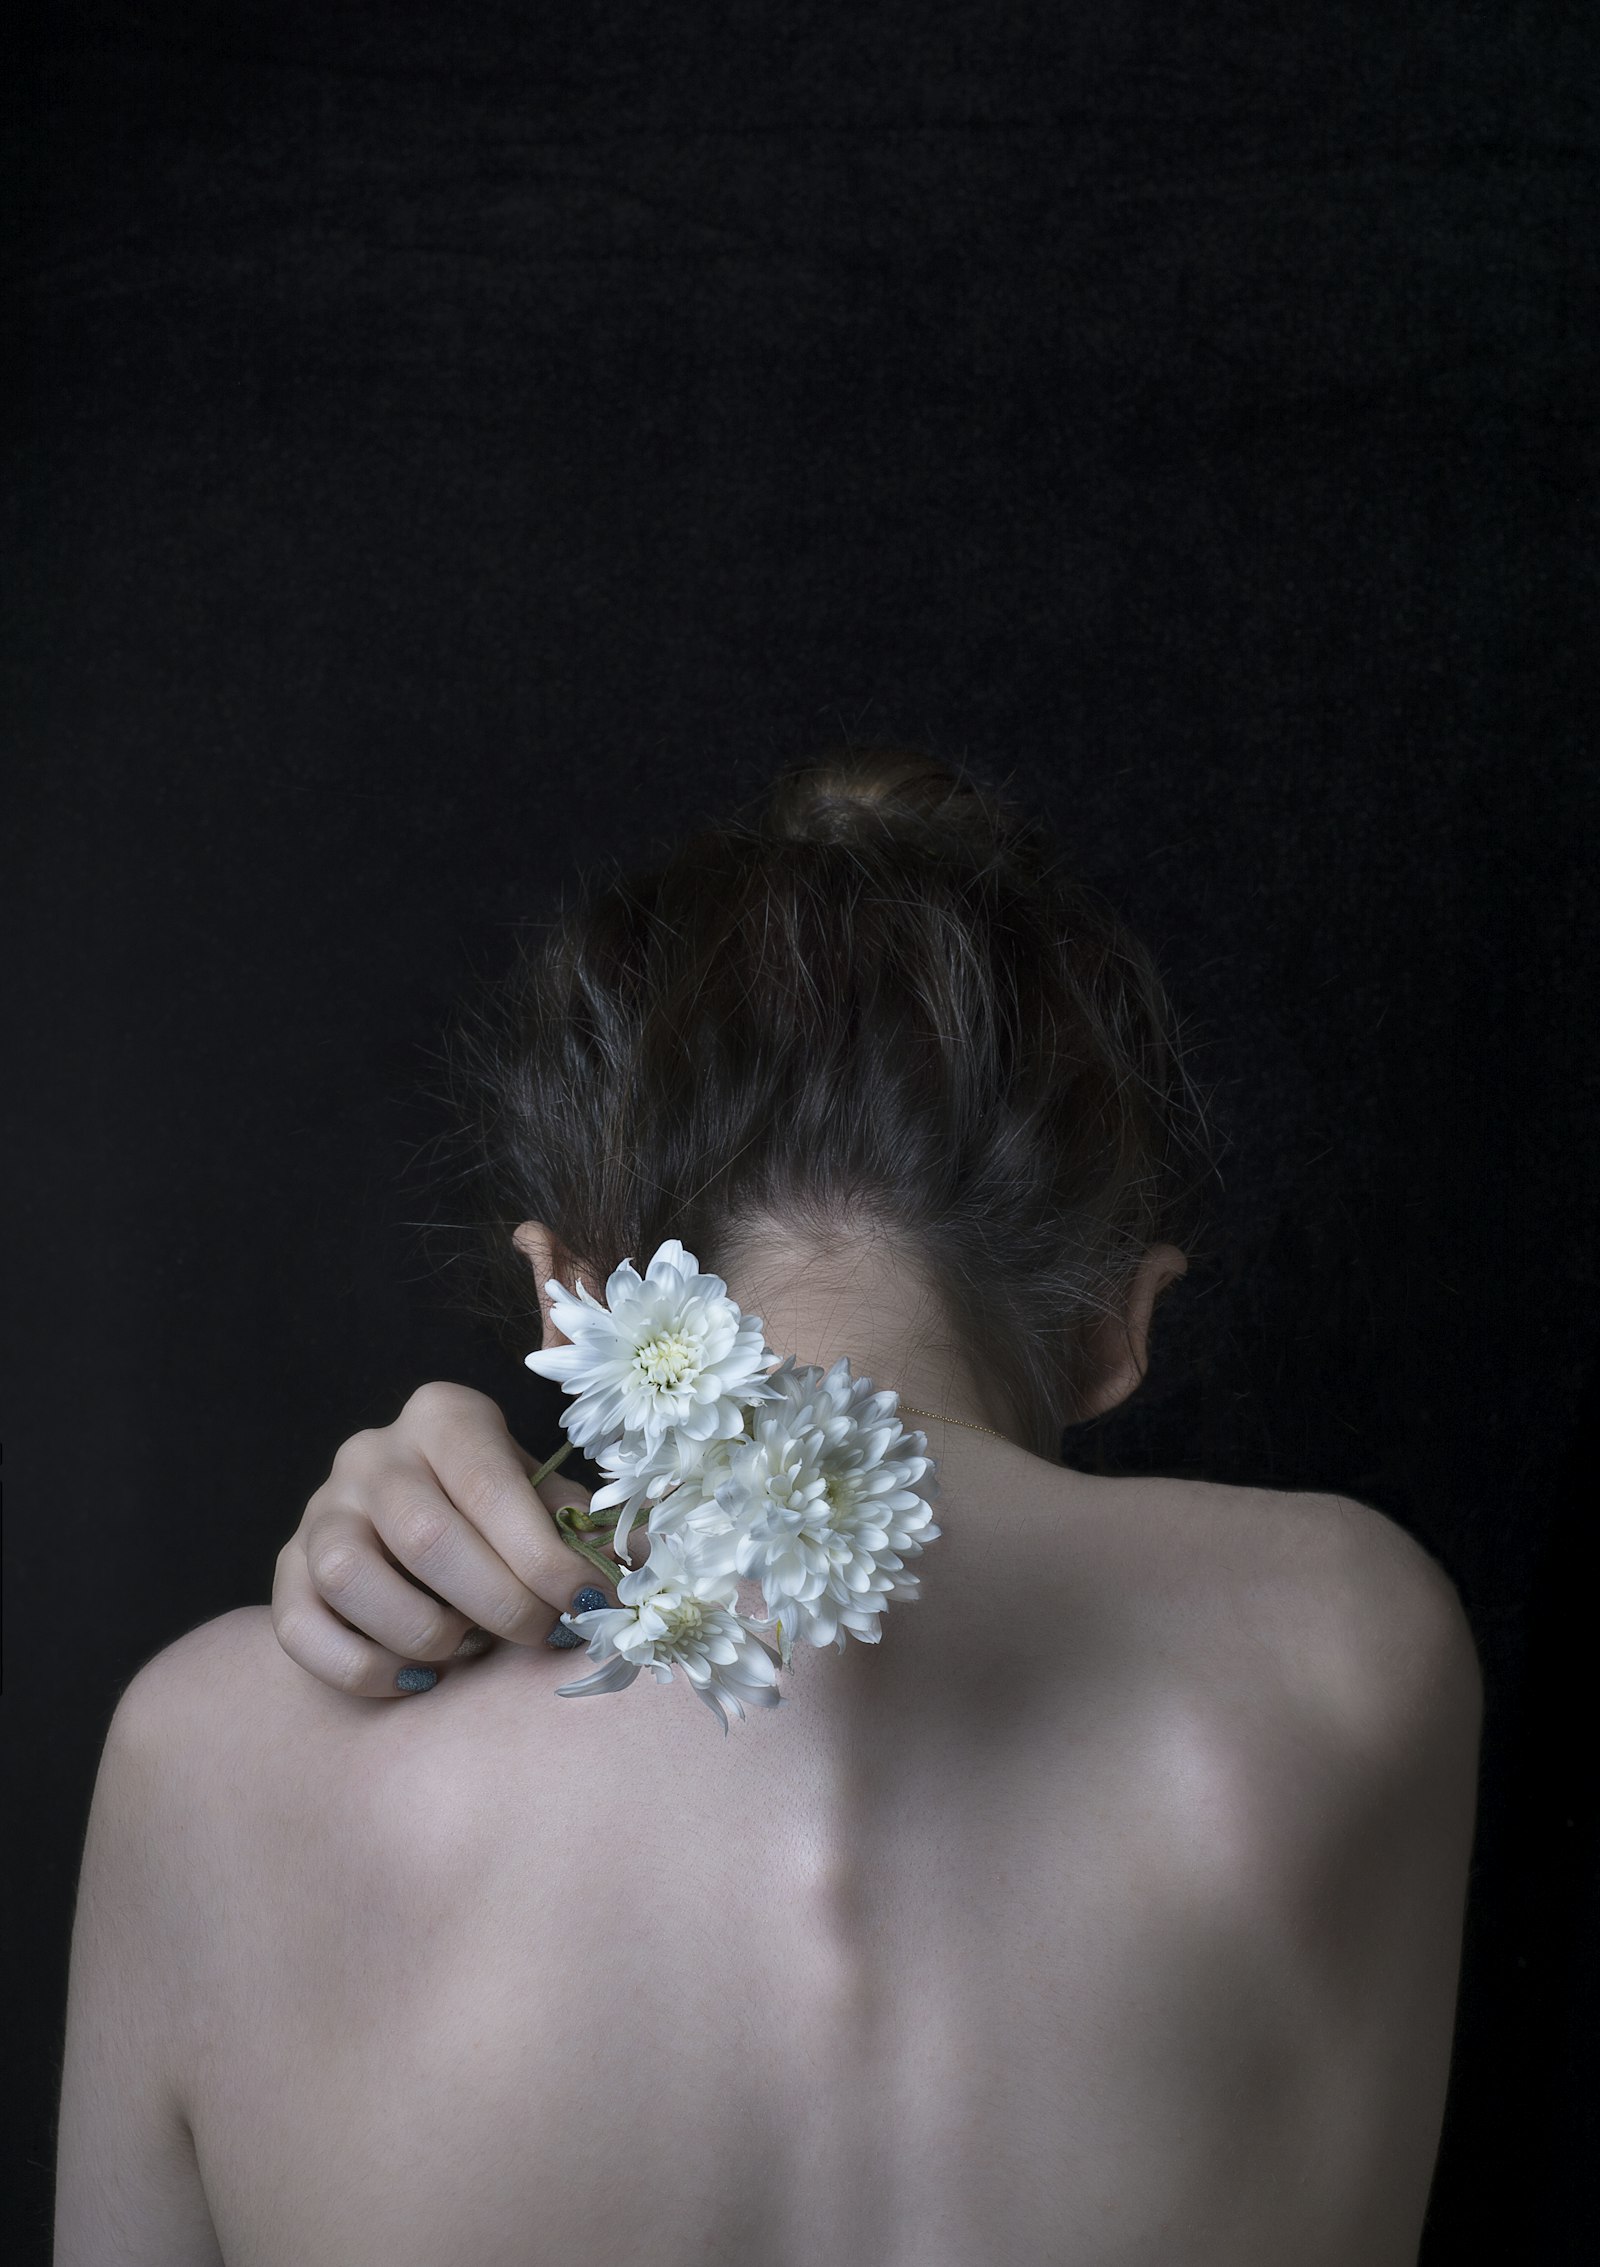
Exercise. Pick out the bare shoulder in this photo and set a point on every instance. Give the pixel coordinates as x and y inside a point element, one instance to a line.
<point>1336,1681</point>
<point>1365,1623</point>
<point>226,1719</point>
<point>230,1669</point>
<point>1374,1928</point>
<point>179,1743</point>
<point>283,1799</point>
<point>305,1801</point>
<point>1397,1654</point>
<point>258,1733</point>
<point>1324,1686</point>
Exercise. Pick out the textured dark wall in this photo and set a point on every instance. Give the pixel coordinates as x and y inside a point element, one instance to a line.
<point>465,441</point>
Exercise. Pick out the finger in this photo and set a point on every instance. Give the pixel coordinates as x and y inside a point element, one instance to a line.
<point>350,1569</point>
<point>462,1437</point>
<point>312,1634</point>
<point>558,1490</point>
<point>462,1518</point>
<point>557,1486</point>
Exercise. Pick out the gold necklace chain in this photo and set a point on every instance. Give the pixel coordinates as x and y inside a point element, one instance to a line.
<point>914,1411</point>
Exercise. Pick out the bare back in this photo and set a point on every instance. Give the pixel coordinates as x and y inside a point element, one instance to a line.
<point>1026,1936</point>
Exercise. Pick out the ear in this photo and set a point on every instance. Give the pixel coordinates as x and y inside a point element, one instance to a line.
<point>1125,1348</point>
<point>546,1257</point>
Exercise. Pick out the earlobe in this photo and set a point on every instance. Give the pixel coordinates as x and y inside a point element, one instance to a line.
<point>1127,1344</point>
<point>1115,1386</point>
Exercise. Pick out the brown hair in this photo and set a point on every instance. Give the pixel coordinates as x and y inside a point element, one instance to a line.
<point>873,1005</point>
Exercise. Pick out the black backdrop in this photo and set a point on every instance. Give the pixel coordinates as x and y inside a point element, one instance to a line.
<point>463,442</point>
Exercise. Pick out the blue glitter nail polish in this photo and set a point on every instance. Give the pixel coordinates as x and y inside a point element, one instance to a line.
<point>563,1639</point>
<point>589,1600</point>
<point>417,1680</point>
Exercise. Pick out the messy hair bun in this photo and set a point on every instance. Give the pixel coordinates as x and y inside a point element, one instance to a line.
<point>872,1001</point>
<point>865,795</point>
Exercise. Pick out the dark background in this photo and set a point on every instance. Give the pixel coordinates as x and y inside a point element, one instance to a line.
<point>459,445</point>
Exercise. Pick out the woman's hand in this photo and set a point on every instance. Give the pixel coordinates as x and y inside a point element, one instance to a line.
<point>424,1531</point>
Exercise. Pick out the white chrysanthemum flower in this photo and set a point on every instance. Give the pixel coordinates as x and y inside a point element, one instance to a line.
<point>694,1516</point>
<point>685,1471</point>
<point>669,1350</point>
<point>830,1497</point>
<point>746,1467</point>
<point>673,1614</point>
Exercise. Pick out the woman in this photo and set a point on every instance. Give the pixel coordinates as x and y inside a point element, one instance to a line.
<point>1108,1910</point>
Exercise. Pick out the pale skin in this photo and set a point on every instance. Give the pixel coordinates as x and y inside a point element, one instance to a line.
<point>1108,1911</point>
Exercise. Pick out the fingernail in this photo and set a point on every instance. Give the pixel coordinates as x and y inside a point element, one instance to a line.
<point>417,1680</point>
<point>475,1642</point>
<point>588,1600</point>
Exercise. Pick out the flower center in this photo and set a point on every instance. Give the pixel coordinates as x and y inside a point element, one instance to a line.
<point>836,1497</point>
<point>686,1622</point>
<point>668,1360</point>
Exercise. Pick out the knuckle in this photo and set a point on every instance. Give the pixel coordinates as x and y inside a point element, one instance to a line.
<point>351,1448</point>
<point>292,1629</point>
<point>305,1641</point>
<point>427,1636</point>
<point>349,1672</point>
<point>437,1398</point>
<point>512,1614</point>
<point>480,1486</point>
<point>334,1566</point>
<point>419,1528</point>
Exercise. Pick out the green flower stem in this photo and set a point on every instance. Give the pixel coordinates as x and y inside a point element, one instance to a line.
<point>576,1526</point>
<point>552,1463</point>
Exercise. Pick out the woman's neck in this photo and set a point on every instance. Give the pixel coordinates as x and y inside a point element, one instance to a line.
<point>876,1307</point>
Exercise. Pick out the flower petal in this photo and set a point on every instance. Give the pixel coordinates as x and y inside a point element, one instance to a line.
<point>616,1676</point>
